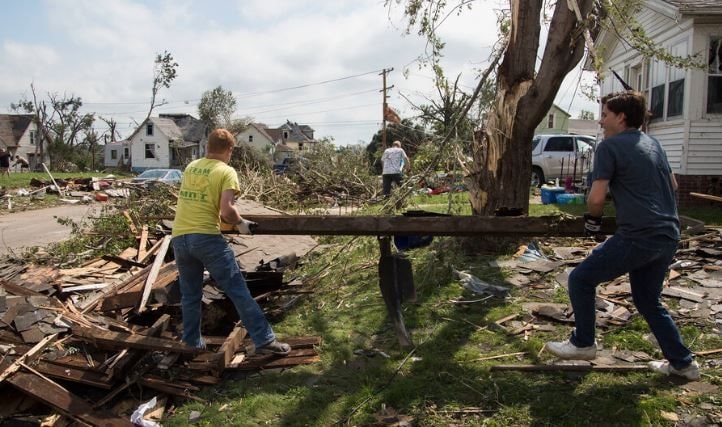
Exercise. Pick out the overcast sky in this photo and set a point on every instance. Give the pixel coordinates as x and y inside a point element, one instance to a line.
<point>314,62</point>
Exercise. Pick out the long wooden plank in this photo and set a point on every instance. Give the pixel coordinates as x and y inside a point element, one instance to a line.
<point>706,196</point>
<point>123,340</point>
<point>18,290</point>
<point>89,304</point>
<point>64,401</point>
<point>573,368</point>
<point>157,264</point>
<point>143,242</point>
<point>69,373</point>
<point>15,365</point>
<point>429,226</point>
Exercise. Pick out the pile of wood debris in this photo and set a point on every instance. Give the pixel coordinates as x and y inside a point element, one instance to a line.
<point>694,283</point>
<point>80,343</point>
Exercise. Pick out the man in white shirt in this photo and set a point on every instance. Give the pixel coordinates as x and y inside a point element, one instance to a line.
<point>394,160</point>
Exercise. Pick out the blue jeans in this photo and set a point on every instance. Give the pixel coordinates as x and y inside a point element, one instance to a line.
<point>387,180</point>
<point>646,261</point>
<point>193,254</point>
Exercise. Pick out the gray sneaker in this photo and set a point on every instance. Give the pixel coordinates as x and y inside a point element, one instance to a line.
<point>275,347</point>
<point>567,350</point>
<point>691,372</point>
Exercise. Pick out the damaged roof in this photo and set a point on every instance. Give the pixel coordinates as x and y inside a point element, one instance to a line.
<point>12,128</point>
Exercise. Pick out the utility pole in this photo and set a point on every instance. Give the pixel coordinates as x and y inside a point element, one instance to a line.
<point>384,106</point>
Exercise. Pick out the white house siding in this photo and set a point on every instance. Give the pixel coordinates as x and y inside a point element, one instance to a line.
<point>162,151</point>
<point>119,147</point>
<point>671,136</point>
<point>27,147</point>
<point>705,148</point>
<point>260,141</point>
<point>693,141</point>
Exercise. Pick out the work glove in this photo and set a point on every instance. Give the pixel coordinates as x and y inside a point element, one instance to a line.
<point>245,226</point>
<point>592,225</point>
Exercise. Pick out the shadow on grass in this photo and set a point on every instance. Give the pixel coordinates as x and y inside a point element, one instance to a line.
<point>440,383</point>
<point>443,378</point>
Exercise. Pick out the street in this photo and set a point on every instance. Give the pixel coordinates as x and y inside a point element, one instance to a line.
<point>38,227</point>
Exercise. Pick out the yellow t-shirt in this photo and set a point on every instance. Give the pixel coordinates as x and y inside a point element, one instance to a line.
<point>199,199</point>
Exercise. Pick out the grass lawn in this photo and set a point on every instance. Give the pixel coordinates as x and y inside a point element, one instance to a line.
<point>22,179</point>
<point>365,378</point>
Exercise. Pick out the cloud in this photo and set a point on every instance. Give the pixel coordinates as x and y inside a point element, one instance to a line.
<point>103,51</point>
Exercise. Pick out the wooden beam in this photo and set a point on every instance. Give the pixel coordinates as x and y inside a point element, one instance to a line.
<point>572,368</point>
<point>428,226</point>
<point>19,290</point>
<point>89,304</point>
<point>131,223</point>
<point>143,243</point>
<point>157,264</point>
<point>701,196</point>
<point>123,340</point>
<point>123,262</point>
<point>72,374</point>
<point>17,363</point>
<point>65,402</point>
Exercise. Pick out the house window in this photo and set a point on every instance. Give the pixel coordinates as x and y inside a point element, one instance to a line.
<point>675,91</point>
<point>126,153</point>
<point>659,76</point>
<point>250,138</point>
<point>32,137</point>
<point>113,154</point>
<point>149,129</point>
<point>714,76</point>
<point>667,93</point>
<point>150,151</point>
<point>300,146</point>
<point>285,134</point>
<point>636,77</point>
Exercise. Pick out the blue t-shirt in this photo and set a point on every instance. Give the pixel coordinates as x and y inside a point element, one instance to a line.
<point>641,184</point>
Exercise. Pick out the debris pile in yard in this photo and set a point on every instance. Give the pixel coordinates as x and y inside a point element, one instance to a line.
<point>93,342</point>
<point>693,291</point>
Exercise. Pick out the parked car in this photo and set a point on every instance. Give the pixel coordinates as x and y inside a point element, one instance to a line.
<point>559,156</point>
<point>167,176</point>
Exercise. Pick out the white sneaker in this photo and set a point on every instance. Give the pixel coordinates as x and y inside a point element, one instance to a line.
<point>567,350</point>
<point>691,372</point>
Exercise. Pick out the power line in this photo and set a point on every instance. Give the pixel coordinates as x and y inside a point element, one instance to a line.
<point>245,95</point>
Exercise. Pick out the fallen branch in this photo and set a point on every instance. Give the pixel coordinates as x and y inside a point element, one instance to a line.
<point>571,368</point>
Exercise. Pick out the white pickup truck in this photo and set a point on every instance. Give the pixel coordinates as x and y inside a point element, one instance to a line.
<point>559,156</point>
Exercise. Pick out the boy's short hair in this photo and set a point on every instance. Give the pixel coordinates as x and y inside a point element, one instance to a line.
<point>220,140</point>
<point>631,103</point>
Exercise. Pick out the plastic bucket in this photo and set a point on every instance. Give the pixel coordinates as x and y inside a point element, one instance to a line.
<point>565,199</point>
<point>549,194</point>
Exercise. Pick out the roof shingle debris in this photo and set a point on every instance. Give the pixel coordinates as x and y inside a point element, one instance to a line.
<point>694,284</point>
<point>75,340</point>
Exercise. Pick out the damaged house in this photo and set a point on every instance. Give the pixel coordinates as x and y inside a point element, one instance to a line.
<point>167,141</point>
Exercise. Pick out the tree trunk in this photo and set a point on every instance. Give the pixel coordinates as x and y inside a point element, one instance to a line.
<point>501,174</point>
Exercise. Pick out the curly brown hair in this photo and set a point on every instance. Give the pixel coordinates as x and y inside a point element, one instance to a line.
<point>631,103</point>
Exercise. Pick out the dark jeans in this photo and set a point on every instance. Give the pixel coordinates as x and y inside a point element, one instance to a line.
<point>646,261</point>
<point>388,179</point>
<point>197,252</point>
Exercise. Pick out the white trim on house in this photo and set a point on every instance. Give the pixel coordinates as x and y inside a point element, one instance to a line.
<point>691,136</point>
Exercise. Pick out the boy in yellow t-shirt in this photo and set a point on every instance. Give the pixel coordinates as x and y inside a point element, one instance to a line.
<point>207,196</point>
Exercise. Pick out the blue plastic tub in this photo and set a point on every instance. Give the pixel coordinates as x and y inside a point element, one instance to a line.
<point>549,194</point>
<point>570,199</point>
